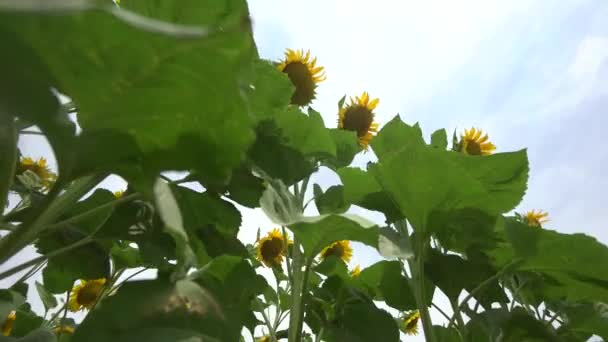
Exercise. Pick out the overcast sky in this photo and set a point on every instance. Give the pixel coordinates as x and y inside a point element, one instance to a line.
<point>531,73</point>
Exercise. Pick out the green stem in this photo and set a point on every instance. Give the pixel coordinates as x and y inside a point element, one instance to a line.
<point>417,268</point>
<point>296,293</point>
<point>458,314</point>
<point>55,207</point>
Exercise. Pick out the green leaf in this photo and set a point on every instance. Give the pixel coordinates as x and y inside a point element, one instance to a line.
<point>224,278</point>
<point>48,300</point>
<point>452,274</point>
<point>362,189</point>
<point>37,335</point>
<point>347,146</point>
<point>279,204</point>
<point>423,180</point>
<point>591,318</point>
<point>392,244</point>
<point>8,155</point>
<point>245,188</point>
<point>315,233</point>
<point>154,310</point>
<point>385,280</point>
<point>332,265</point>
<point>26,322</point>
<point>363,322</point>
<point>464,230</point>
<point>330,201</point>
<point>125,256</point>
<point>270,90</point>
<point>181,110</point>
<point>284,299</point>
<point>444,334</point>
<point>305,133</point>
<point>569,260</point>
<point>439,139</point>
<point>212,220</point>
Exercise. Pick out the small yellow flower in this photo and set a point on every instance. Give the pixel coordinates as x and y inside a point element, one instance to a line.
<point>7,326</point>
<point>118,194</point>
<point>263,339</point>
<point>271,248</point>
<point>303,73</point>
<point>64,329</point>
<point>84,295</point>
<point>475,143</point>
<point>410,323</point>
<point>340,249</point>
<point>536,218</point>
<point>40,168</point>
<point>355,271</point>
<point>358,116</point>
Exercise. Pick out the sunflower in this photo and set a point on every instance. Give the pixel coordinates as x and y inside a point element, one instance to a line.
<point>358,116</point>
<point>303,73</point>
<point>39,168</point>
<point>7,326</point>
<point>355,271</point>
<point>536,218</point>
<point>340,249</point>
<point>64,329</point>
<point>84,295</point>
<point>271,248</point>
<point>475,143</point>
<point>410,323</point>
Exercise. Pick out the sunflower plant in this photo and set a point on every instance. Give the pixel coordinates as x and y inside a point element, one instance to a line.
<point>146,88</point>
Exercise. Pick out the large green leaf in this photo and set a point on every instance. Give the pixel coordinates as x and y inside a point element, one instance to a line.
<point>330,201</point>
<point>452,274</point>
<point>347,146</point>
<point>177,98</point>
<point>570,261</point>
<point>362,189</point>
<point>154,310</point>
<point>315,233</point>
<point>464,230</point>
<point>386,282</point>
<point>423,180</point>
<point>591,318</point>
<point>514,326</point>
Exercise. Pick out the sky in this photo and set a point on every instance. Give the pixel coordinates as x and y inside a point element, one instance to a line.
<point>532,74</point>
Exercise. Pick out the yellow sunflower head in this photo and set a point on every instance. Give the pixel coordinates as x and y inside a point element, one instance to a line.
<point>358,116</point>
<point>303,73</point>
<point>85,294</point>
<point>474,142</point>
<point>64,329</point>
<point>340,249</point>
<point>118,194</point>
<point>39,168</point>
<point>272,248</point>
<point>355,271</point>
<point>536,218</point>
<point>410,323</point>
<point>7,326</point>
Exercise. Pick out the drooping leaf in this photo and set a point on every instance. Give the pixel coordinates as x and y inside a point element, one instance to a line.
<point>439,139</point>
<point>315,233</point>
<point>392,244</point>
<point>347,146</point>
<point>154,310</point>
<point>279,204</point>
<point>330,201</point>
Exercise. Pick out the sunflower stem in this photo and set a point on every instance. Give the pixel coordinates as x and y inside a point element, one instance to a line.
<point>296,294</point>
<point>55,206</point>
<point>417,268</point>
<point>458,314</point>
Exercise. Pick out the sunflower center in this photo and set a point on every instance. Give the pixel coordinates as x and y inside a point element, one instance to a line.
<point>271,249</point>
<point>303,81</point>
<point>411,324</point>
<point>336,250</point>
<point>473,148</point>
<point>358,118</point>
<point>88,294</point>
